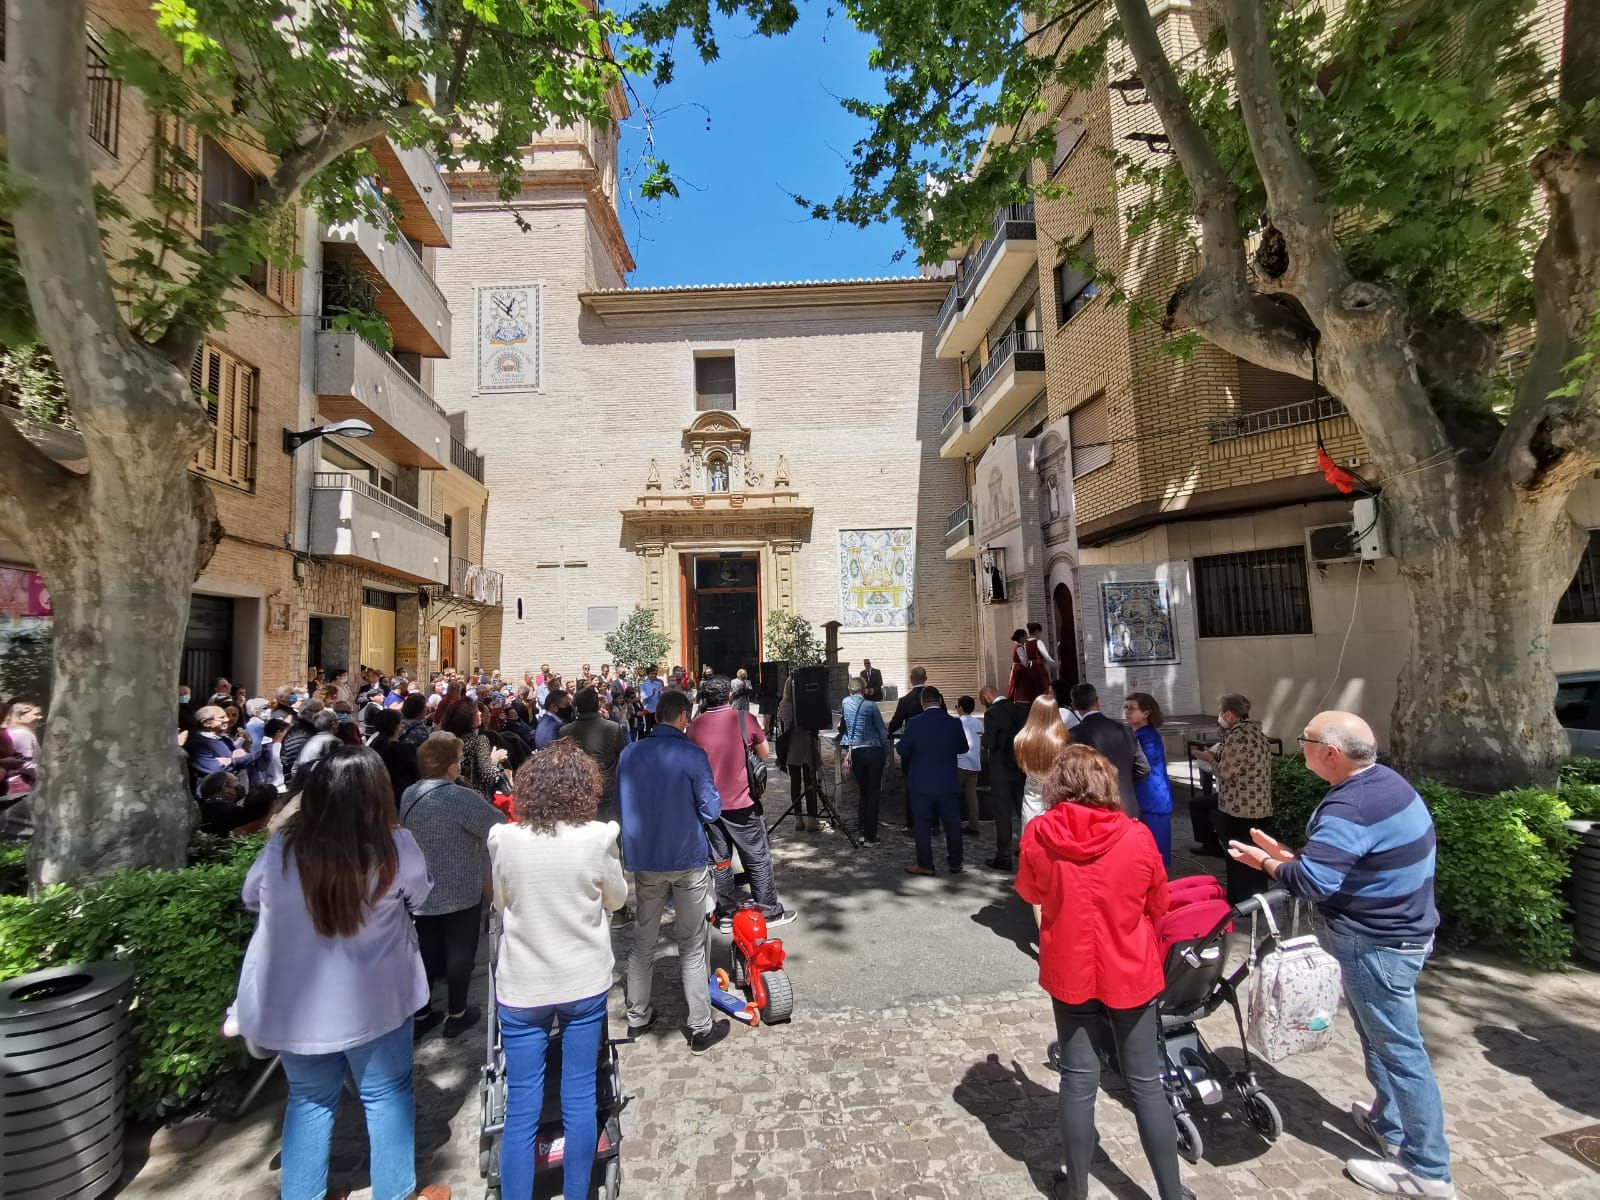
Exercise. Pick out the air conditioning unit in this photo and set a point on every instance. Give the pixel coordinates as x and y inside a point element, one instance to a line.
<point>1360,539</point>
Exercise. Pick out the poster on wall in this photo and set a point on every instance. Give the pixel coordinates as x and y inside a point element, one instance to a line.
<point>1139,627</point>
<point>508,337</point>
<point>877,579</point>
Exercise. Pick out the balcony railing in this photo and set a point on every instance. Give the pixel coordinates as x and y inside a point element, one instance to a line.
<point>1018,341</point>
<point>973,265</point>
<point>953,412</point>
<point>467,460</point>
<point>472,581</point>
<point>960,523</point>
<point>952,302</point>
<point>105,94</point>
<point>343,481</point>
<point>1302,412</point>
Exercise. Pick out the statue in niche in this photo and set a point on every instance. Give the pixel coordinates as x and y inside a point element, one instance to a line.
<point>653,480</point>
<point>780,474</point>
<point>1052,496</point>
<point>718,474</point>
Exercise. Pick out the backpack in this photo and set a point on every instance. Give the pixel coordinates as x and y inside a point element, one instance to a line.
<point>1294,994</point>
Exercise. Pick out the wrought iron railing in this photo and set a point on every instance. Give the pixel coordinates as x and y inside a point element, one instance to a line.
<point>1016,342</point>
<point>1302,412</point>
<point>467,460</point>
<point>1010,215</point>
<point>954,412</point>
<point>105,99</point>
<point>960,523</point>
<point>343,481</point>
<point>475,582</point>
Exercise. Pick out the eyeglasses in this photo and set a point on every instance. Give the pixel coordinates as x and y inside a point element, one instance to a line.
<point>1310,741</point>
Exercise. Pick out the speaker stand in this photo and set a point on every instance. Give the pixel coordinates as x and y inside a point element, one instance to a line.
<point>794,810</point>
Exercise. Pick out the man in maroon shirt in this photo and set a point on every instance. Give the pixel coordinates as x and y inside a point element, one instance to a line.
<point>722,731</point>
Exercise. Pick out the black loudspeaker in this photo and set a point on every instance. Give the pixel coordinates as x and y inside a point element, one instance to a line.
<point>812,709</point>
<point>769,691</point>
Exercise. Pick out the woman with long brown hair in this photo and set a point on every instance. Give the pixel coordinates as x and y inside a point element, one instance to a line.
<point>1097,886</point>
<point>332,974</point>
<point>1037,746</point>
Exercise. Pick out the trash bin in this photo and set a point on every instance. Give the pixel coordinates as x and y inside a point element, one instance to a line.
<point>1585,888</point>
<point>61,1080</point>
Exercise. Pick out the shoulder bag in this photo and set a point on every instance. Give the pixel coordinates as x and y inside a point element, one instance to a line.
<point>755,767</point>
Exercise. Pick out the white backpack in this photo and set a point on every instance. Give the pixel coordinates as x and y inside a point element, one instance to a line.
<point>1294,994</point>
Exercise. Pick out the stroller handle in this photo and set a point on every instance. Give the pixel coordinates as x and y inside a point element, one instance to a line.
<point>1264,900</point>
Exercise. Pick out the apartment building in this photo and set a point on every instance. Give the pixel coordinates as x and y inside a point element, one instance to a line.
<point>1165,518</point>
<point>336,551</point>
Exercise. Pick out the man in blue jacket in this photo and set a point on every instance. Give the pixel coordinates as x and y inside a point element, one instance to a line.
<point>666,795</point>
<point>929,747</point>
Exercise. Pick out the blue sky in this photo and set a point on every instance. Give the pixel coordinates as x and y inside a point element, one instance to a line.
<point>775,127</point>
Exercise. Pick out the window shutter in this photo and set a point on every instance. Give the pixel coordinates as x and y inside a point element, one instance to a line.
<point>227,389</point>
<point>178,166</point>
<point>1261,390</point>
<point>1090,428</point>
<point>283,284</point>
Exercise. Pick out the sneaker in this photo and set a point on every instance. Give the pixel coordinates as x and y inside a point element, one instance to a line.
<point>869,841</point>
<point>786,917</point>
<point>1000,864</point>
<point>913,869</point>
<point>455,1026</point>
<point>969,827</point>
<point>702,1041</point>
<point>814,825</point>
<point>436,1191</point>
<point>638,1031</point>
<point>1362,1116</point>
<point>424,1021</point>
<point>1391,1179</point>
<point>958,869</point>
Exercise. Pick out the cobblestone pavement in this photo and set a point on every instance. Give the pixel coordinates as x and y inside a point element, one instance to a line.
<point>945,1093</point>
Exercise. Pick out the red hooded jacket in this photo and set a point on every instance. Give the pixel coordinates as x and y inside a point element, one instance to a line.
<point>1098,877</point>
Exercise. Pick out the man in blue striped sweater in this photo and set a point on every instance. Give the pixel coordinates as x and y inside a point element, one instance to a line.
<point>1368,865</point>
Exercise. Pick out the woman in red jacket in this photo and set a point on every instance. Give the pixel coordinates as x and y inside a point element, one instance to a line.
<point>1096,883</point>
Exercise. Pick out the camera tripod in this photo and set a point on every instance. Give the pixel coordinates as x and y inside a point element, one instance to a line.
<point>813,791</point>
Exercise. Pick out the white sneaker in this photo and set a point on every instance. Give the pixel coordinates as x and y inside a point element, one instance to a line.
<point>1361,1114</point>
<point>1391,1179</point>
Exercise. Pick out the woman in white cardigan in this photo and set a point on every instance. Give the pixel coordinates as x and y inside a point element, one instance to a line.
<point>557,876</point>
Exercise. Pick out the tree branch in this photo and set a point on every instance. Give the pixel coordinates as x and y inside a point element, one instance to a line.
<point>31,482</point>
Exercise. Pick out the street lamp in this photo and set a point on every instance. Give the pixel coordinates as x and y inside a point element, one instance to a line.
<point>292,441</point>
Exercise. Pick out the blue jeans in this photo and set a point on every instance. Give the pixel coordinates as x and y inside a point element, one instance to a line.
<point>946,808</point>
<point>1160,827</point>
<point>382,1070</point>
<point>1380,985</point>
<point>525,1034</point>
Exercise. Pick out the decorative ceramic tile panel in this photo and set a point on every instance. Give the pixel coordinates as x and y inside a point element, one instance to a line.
<point>877,579</point>
<point>1138,623</point>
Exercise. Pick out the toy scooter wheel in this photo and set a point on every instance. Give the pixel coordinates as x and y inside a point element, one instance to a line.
<point>1190,1144</point>
<point>741,976</point>
<point>780,997</point>
<point>1263,1116</point>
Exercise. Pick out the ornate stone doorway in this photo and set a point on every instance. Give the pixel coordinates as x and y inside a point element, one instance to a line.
<point>722,610</point>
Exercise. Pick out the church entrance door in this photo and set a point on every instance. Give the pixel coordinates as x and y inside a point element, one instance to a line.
<point>722,611</point>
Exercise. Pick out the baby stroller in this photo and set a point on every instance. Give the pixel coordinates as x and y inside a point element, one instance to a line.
<point>549,1145</point>
<point>1196,936</point>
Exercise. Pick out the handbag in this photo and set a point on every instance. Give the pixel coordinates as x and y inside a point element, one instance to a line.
<point>850,736</point>
<point>1294,994</point>
<point>755,767</point>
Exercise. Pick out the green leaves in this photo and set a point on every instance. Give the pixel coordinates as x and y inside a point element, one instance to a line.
<point>792,639</point>
<point>637,643</point>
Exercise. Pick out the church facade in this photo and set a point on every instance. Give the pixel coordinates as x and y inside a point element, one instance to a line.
<point>712,454</point>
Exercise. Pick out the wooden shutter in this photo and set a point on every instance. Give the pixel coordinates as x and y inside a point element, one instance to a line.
<point>1090,428</point>
<point>283,284</point>
<point>178,166</point>
<point>228,391</point>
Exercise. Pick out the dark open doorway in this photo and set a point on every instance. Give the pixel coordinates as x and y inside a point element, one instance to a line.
<point>724,612</point>
<point>1066,635</point>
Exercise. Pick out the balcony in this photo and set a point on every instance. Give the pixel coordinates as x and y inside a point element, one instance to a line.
<point>104,102</point>
<point>355,379</point>
<point>354,520</point>
<point>960,538</point>
<point>466,460</point>
<point>989,276</point>
<point>414,180</point>
<point>474,582</point>
<point>1008,383</point>
<point>409,299</point>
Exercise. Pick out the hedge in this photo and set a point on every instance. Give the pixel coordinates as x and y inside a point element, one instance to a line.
<point>1503,859</point>
<point>185,933</point>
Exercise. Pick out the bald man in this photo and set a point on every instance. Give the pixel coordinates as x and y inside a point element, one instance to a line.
<point>1368,864</point>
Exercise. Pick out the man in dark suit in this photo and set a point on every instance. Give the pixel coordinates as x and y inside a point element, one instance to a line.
<point>871,680</point>
<point>911,703</point>
<point>1113,739</point>
<point>1003,719</point>
<point>601,740</point>
<point>929,747</point>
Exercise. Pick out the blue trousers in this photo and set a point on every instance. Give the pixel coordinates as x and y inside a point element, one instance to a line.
<point>1380,984</point>
<point>525,1034</point>
<point>926,807</point>
<point>1160,827</point>
<point>382,1070</point>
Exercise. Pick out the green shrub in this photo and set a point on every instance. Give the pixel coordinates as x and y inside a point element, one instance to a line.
<point>1581,770</point>
<point>185,934</point>
<point>1582,798</point>
<point>13,868</point>
<point>1503,860</point>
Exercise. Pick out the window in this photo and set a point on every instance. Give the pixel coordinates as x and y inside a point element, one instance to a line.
<point>1581,601</point>
<point>1261,390</point>
<point>1575,703</point>
<point>373,598</point>
<point>1090,427</point>
<point>1258,593</point>
<point>1075,285</point>
<point>227,388</point>
<point>225,187</point>
<point>713,382</point>
<point>178,168</point>
<point>1069,130</point>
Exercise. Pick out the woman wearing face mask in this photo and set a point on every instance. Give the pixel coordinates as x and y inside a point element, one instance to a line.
<point>345,713</point>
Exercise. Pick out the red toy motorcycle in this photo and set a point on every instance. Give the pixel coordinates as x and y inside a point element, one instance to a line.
<point>758,966</point>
